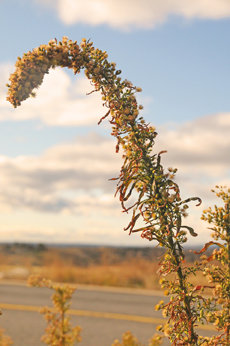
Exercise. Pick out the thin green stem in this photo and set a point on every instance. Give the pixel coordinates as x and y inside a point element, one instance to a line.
<point>192,334</point>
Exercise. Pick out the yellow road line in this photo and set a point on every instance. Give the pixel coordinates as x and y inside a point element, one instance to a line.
<point>19,307</point>
<point>116,316</point>
<point>97,314</point>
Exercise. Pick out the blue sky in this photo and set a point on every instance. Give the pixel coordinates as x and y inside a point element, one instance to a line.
<point>55,160</point>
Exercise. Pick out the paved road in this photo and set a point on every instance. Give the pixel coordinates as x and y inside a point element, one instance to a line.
<point>103,314</point>
<point>99,328</point>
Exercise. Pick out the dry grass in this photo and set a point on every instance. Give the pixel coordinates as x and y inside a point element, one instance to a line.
<point>108,270</point>
<point>141,274</point>
<point>101,266</point>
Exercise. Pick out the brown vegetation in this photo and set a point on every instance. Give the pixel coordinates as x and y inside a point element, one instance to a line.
<point>104,266</point>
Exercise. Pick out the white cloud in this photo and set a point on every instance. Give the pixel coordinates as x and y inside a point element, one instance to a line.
<point>135,13</point>
<point>200,150</point>
<point>68,178</point>
<point>60,101</point>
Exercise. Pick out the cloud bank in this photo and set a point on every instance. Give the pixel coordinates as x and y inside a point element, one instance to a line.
<point>73,177</point>
<point>68,178</point>
<point>131,14</point>
<point>200,150</point>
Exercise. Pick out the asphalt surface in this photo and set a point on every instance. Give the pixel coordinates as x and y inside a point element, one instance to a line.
<point>26,327</point>
<point>103,314</point>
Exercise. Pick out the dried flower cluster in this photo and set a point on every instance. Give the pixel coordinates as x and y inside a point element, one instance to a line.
<point>58,331</point>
